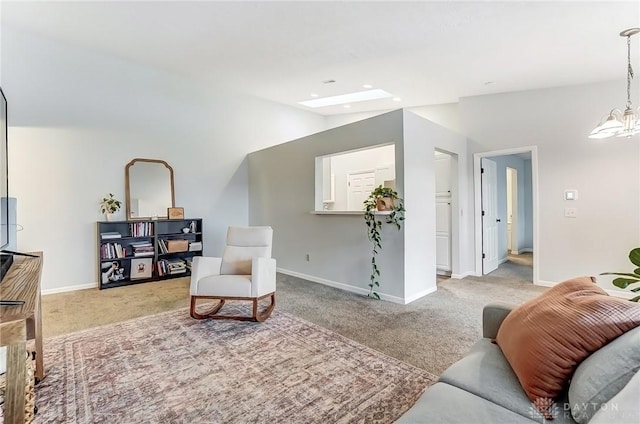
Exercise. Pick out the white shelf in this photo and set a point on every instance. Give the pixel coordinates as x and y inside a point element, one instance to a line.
<point>347,212</point>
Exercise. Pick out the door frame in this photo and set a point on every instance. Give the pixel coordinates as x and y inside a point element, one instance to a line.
<point>477,195</point>
<point>512,180</point>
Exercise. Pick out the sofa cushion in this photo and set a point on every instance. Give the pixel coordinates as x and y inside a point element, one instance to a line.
<point>546,338</point>
<point>442,403</point>
<point>623,408</point>
<point>603,374</point>
<point>485,372</point>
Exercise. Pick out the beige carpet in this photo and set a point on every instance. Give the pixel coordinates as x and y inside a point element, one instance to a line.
<point>169,368</point>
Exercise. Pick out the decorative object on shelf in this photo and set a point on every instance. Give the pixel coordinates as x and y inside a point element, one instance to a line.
<point>627,123</point>
<point>175,213</point>
<point>381,199</point>
<point>626,279</point>
<point>109,206</point>
<point>141,268</point>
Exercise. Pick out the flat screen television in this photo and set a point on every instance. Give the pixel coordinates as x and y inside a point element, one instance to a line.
<point>5,260</point>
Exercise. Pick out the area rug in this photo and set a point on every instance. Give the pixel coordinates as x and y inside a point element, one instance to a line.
<point>170,368</point>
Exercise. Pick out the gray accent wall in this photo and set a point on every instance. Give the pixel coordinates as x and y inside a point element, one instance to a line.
<point>281,194</point>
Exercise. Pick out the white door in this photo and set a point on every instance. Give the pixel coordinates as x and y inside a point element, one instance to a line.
<point>490,221</point>
<point>359,187</point>
<point>443,174</point>
<point>443,234</point>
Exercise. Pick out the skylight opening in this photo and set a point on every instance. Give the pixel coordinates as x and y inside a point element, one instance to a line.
<point>359,96</point>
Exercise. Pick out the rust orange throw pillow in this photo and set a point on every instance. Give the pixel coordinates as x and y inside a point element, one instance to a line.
<point>546,338</point>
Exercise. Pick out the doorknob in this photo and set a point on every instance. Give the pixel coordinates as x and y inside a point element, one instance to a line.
<point>498,220</point>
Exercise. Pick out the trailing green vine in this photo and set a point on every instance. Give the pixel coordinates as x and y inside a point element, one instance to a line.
<point>391,207</point>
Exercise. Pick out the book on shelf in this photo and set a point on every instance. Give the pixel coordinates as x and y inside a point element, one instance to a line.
<point>110,235</point>
<point>195,246</point>
<point>112,251</point>
<point>142,249</point>
<point>162,246</point>
<point>141,229</point>
<point>171,267</point>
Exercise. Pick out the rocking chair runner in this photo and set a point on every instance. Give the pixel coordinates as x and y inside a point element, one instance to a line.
<point>246,271</point>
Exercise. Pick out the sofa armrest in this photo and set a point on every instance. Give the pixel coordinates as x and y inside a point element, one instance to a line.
<point>492,316</point>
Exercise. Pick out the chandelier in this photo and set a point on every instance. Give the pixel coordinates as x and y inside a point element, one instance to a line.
<point>627,123</point>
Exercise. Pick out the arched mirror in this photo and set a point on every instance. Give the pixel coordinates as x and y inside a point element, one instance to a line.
<point>149,188</point>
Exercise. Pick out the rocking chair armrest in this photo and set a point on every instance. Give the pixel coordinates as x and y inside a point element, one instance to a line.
<point>203,266</point>
<point>263,276</point>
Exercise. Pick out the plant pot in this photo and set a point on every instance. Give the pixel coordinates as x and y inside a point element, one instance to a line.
<point>109,217</point>
<point>384,204</point>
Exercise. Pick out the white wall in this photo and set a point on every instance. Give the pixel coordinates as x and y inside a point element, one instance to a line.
<point>77,118</point>
<point>421,139</point>
<point>446,115</point>
<point>605,172</point>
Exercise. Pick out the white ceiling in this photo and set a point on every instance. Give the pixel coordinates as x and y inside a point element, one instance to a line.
<point>423,52</point>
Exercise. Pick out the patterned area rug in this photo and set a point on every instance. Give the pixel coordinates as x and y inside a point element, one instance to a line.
<point>169,368</point>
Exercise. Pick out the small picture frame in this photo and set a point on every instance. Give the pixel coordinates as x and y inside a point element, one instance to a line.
<point>175,213</point>
<point>141,268</point>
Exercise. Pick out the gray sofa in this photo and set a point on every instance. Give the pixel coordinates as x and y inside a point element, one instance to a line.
<point>482,387</point>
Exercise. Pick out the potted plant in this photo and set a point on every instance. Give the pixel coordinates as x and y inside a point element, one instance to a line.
<point>109,205</point>
<point>382,206</point>
<point>627,279</point>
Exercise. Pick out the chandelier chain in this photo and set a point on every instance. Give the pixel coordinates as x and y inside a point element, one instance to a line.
<point>629,71</point>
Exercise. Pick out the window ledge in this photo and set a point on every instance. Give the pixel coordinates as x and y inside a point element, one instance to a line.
<point>347,212</point>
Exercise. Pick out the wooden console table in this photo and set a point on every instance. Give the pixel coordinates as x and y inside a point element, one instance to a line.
<point>17,325</point>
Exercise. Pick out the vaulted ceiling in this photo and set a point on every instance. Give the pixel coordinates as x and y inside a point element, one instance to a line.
<point>424,53</point>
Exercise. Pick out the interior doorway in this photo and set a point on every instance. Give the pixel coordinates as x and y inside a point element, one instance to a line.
<point>512,210</point>
<point>443,182</point>
<point>506,222</point>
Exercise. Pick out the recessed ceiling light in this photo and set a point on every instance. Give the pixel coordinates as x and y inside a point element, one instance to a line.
<point>314,95</point>
<point>367,86</point>
<point>397,99</point>
<point>347,106</point>
<point>359,96</point>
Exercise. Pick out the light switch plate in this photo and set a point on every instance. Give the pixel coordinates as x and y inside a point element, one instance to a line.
<point>570,194</point>
<point>570,212</point>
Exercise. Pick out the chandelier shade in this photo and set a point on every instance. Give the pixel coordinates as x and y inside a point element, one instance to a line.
<point>617,123</point>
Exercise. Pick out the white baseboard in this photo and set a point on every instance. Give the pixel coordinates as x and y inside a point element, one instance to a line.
<point>69,288</point>
<point>515,252</point>
<point>342,286</point>
<point>503,260</point>
<point>526,250</point>
<point>464,274</point>
<point>420,295</point>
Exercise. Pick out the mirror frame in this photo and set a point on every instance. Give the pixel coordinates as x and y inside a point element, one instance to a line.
<point>127,187</point>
